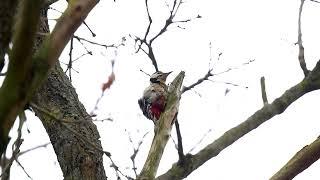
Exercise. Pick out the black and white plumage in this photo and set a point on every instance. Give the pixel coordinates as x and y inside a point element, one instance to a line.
<point>153,101</point>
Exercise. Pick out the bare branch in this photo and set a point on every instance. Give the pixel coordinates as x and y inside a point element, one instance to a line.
<point>92,33</point>
<point>205,77</point>
<point>100,44</point>
<point>34,148</point>
<point>136,151</point>
<point>180,145</point>
<point>315,1</point>
<point>301,57</point>
<point>209,74</point>
<point>199,142</point>
<point>299,162</point>
<point>278,106</point>
<point>15,146</point>
<point>147,41</point>
<point>69,67</point>
<point>263,91</point>
<point>23,169</point>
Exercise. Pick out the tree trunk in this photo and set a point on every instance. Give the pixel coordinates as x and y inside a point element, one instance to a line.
<point>77,159</point>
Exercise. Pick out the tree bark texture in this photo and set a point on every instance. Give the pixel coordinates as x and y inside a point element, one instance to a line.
<point>78,159</point>
<point>7,11</point>
<point>299,162</point>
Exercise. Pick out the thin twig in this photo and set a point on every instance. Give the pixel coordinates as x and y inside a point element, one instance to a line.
<point>147,41</point>
<point>24,170</point>
<point>34,148</point>
<point>92,33</point>
<point>70,58</point>
<point>315,1</point>
<point>205,77</point>
<point>263,91</point>
<point>82,55</point>
<point>180,145</point>
<point>16,145</point>
<point>99,44</point>
<point>209,74</point>
<point>200,141</point>
<point>301,57</point>
<point>135,151</point>
<point>228,83</point>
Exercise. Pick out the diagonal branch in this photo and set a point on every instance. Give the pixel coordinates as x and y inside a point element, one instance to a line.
<point>163,130</point>
<point>299,162</point>
<point>279,105</point>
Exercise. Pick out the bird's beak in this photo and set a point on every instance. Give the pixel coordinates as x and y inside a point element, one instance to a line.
<point>167,74</point>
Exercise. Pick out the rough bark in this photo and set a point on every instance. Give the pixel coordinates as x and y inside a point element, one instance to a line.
<point>278,106</point>
<point>77,159</point>
<point>7,11</point>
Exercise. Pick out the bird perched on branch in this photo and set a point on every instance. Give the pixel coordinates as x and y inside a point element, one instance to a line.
<point>154,97</point>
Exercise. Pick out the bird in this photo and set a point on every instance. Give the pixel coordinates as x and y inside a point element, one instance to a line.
<point>154,98</point>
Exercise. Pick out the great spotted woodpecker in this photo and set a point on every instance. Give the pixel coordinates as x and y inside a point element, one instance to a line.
<point>154,97</point>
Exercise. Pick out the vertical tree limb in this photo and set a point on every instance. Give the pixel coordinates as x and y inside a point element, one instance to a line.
<point>180,145</point>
